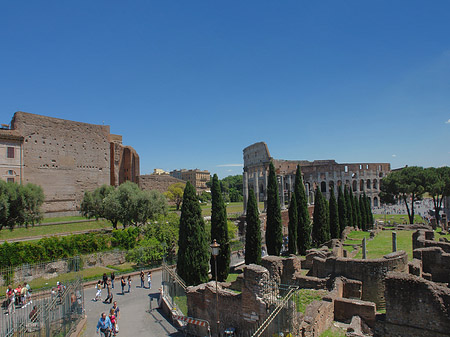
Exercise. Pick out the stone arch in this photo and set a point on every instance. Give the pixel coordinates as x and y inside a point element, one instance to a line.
<point>361,185</point>
<point>347,183</point>
<point>375,184</point>
<point>323,187</point>
<point>375,201</point>
<point>331,184</point>
<point>339,183</point>
<point>368,185</point>
<point>355,186</point>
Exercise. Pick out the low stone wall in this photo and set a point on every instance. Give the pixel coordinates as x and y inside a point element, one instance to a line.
<point>345,309</point>
<point>282,269</point>
<point>424,239</point>
<point>318,318</point>
<point>435,262</point>
<point>415,307</point>
<point>370,272</point>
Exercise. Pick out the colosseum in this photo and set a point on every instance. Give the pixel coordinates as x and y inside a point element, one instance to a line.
<point>323,174</point>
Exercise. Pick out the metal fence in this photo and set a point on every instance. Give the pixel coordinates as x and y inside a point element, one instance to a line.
<point>174,289</point>
<point>48,314</point>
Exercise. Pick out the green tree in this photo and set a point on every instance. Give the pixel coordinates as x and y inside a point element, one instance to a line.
<point>348,206</point>
<point>219,232</point>
<point>292,226</point>
<point>342,211</point>
<point>357,211</point>
<point>92,205</point>
<point>274,226</point>
<point>354,210</point>
<point>253,231</point>
<point>193,254</point>
<point>407,185</point>
<point>362,207</point>
<point>437,184</point>
<point>369,212</point>
<point>304,221</point>
<point>320,229</point>
<point>175,193</point>
<point>334,216</point>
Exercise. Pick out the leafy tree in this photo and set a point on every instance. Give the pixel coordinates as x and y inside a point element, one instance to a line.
<point>20,204</point>
<point>274,226</point>
<point>304,221</point>
<point>320,229</point>
<point>193,255</point>
<point>407,185</point>
<point>92,204</point>
<point>165,229</point>
<point>175,193</point>
<point>292,226</point>
<point>348,206</point>
<point>253,231</point>
<point>231,187</point>
<point>437,184</point>
<point>204,197</point>
<point>334,216</point>
<point>219,232</point>
<point>342,211</point>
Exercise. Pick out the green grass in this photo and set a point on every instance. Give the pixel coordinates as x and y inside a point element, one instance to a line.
<point>382,244</point>
<point>125,267</point>
<point>31,231</point>
<point>357,235</point>
<point>437,235</point>
<point>181,303</point>
<point>333,332</point>
<point>232,277</point>
<point>46,283</point>
<point>304,297</point>
<point>398,218</point>
<point>63,218</point>
<point>232,207</point>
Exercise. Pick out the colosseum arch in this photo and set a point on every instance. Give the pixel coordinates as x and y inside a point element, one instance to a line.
<point>361,185</point>
<point>375,202</point>
<point>375,184</point>
<point>355,186</point>
<point>323,187</point>
<point>368,185</point>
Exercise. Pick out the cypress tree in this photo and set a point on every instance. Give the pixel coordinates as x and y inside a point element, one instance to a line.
<point>342,211</point>
<point>357,211</point>
<point>193,248</point>
<point>292,226</point>
<point>304,221</point>
<point>320,233</point>
<point>348,206</point>
<point>369,213</point>
<point>253,231</point>
<point>362,207</point>
<point>274,227</point>
<point>354,213</point>
<point>219,231</point>
<point>334,216</point>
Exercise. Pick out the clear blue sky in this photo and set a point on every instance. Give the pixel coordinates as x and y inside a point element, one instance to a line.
<point>189,84</point>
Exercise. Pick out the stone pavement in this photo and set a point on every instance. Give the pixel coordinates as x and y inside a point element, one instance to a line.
<point>135,318</point>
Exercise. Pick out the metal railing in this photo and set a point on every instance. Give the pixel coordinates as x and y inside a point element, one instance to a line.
<point>174,289</point>
<point>55,313</point>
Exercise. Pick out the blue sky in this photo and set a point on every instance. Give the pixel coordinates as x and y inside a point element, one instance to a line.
<point>189,84</point>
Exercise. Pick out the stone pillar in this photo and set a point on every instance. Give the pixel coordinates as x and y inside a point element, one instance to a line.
<point>245,192</point>
<point>364,249</point>
<point>394,241</point>
<point>256,176</point>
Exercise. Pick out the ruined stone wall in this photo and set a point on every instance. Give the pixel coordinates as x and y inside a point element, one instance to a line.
<point>125,164</point>
<point>370,272</point>
<point>415,307</point>
<point>156,182</point>
<point>66,158</point>
<point>424,239</point>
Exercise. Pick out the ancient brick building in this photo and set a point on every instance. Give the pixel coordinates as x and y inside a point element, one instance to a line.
<point>67,158</point>
<point>361,177</point>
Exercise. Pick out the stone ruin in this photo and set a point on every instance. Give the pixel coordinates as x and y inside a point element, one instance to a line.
<point>355,289</point>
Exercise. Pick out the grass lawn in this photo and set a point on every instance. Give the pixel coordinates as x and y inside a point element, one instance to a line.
<point>232,277</point>
<point>232,207</point>
<point>437,235</point>
<point>398,218</point>
<point>333,332</point>
<point>125,267</point>
<point>382,244</point>
<point>63,218</point>
<point>181,303</point>
<point>31,231</point>
<point>356,236</point>
<point>47,283</point>
<point>304,297</point>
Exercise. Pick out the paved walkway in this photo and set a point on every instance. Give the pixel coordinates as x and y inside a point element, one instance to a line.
<point>135,318</point>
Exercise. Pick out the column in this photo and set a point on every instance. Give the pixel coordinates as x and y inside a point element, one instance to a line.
<point>364,249</point>
<point>394,241</point>
<point>255,175</point>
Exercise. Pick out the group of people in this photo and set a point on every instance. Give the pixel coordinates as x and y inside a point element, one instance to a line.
<point>108,284</point>
<point>20,297</point>
<point>108,324</point>
<point>149,279</point>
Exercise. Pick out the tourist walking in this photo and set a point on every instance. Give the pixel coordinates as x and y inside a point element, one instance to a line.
<point>112,318</point>
<point>129,283</point>
<point>104,325</point>
<point>110,294</point>
<point>113,277</point>
<point>98,294</point>
<point>142,279</point>
<point>149,279</point>
<point>122,283</point>
<point>116,310</point>
<point>105,280</point>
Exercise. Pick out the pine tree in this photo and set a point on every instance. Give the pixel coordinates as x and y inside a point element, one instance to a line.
<point>193,249</point>
<point>292,227</point>
<point>334,216</point>
<point>342,211</point>
<point>348,206</point>
<point>304,221</point>
<point>320,230</point>
<point>253,231</point>
<point>219,231</point>
<point>362,207</point>
<point>274,226</point>
<point>354,214</point>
